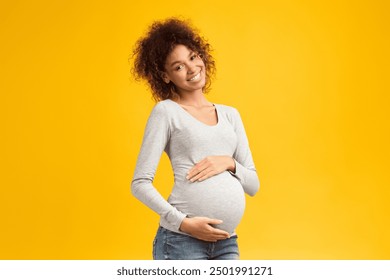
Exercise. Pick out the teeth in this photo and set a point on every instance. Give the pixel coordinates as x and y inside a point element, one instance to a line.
<point>195,77</point>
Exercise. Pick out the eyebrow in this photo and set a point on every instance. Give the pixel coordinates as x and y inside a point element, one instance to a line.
<point>179,61</point>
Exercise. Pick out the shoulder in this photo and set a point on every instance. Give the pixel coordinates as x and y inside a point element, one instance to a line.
<point>164,105</point>
<point>161,108</point>
<point>164,111</point>
<point>160,105</point>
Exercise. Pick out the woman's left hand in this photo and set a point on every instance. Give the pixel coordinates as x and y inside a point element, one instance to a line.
<point>210,166</point>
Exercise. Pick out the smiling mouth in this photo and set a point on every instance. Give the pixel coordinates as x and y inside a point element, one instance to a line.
<point>194,78</point>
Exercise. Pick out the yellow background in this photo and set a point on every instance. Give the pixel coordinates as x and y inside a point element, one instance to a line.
<point>310,79</point>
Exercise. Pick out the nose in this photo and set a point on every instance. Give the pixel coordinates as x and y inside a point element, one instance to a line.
<point>191,67</point>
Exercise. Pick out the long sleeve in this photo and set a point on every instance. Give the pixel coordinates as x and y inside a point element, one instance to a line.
<point>156,137</point>
<point>245,168</point>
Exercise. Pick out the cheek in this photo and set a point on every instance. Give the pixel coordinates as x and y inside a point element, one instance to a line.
<point>180,75</point>
<point>204,72</point>
<point>201,63</point>
<point>177,78</point>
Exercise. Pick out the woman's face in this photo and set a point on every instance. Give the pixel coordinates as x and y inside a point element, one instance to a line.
<point>185,69</point>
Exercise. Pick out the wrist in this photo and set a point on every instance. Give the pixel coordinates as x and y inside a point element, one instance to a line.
<point>232,165</point>
<point>183,225</point>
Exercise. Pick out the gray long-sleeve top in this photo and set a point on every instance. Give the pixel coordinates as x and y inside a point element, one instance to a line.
<point>187,141</point>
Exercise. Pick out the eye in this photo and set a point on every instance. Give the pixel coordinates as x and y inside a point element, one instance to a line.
<point>179,67</point>
<point>193,57</point>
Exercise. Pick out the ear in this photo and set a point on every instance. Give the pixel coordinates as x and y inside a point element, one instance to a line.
<point>164,76</point>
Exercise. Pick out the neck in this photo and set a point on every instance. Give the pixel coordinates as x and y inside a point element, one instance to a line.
<point>196,99</point>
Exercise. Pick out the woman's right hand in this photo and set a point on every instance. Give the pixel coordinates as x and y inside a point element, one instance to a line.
<point>200,228</point>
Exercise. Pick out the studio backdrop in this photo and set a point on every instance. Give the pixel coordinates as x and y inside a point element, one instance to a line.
<point>310,79</point>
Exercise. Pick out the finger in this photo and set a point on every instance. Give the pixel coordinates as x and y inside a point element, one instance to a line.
<point>219,236</point>
<point>222,237</point>
<point>200,165</point>
<point>213,221</point>
<point>206,173</point>
<point>192,175</point>
<point>196,169</point>
<point>214,237</point>
<point>221,233</point>
<point>209,239</point>
<point>218,232</point>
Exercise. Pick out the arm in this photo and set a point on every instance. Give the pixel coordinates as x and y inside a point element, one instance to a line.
<point>245,170</point>
<point>155,139</point>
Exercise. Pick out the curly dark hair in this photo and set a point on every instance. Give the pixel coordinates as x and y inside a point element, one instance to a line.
<point>151,51</point>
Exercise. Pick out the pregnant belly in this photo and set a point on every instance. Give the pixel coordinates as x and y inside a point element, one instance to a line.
<point>219,197</point>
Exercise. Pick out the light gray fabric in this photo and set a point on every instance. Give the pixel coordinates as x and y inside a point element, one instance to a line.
<point>187,141</point>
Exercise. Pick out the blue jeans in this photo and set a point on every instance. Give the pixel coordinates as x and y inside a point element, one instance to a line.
<point>169,245</point>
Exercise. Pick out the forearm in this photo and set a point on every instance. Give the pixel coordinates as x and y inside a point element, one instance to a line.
<point>247,177</point>
<point>148,195</point>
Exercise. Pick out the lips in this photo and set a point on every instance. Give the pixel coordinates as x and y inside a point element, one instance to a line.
<point>195,78</point>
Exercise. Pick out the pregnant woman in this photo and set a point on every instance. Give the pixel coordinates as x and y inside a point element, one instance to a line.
<point>205,142</point>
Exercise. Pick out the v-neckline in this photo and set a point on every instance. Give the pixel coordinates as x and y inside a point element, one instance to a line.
<point>197,120</point>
